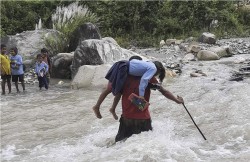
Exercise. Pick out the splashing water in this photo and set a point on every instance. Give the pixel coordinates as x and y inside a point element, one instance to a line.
<point>59,125</point>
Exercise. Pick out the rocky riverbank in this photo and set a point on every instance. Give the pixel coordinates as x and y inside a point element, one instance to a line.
<point>175,56</point>
<point>177,53</point>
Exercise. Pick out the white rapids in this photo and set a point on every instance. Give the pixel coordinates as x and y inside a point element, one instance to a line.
<point>59,125</point>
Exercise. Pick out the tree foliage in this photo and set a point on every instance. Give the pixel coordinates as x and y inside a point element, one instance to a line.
<point>141,22</point>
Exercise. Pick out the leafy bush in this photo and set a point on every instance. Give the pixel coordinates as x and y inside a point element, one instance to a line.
<point>56,43</point>
<point>66,20</point>
<point>130,22</point>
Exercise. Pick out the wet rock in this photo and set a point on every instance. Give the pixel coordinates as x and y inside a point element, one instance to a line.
<point>236,78</point>
<point>200,72</point>
<point>240,51</point>
<point>245,69</point>
<point>195,75</point>
<point>241,74</point>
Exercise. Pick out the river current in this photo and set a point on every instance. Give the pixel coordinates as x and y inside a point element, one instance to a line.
<point>59,125</point>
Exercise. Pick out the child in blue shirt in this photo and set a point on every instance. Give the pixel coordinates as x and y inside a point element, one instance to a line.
<point>136,67</point>
<point>41,69</point>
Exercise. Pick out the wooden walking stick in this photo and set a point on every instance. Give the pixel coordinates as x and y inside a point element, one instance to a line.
<point>194,122</point>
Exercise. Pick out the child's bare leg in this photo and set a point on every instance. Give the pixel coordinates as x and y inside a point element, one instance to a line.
<point>115,102</point>
<point>3,86</point>
<point>96,108</point>
<point>9,85</point>
<point>17,89</point>
<point>23,85</point>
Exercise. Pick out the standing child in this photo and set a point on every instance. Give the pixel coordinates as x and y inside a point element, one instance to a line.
<point>5,69</point>
<point>41,69</point>
<point>46,59</point>
<point>17,68</point>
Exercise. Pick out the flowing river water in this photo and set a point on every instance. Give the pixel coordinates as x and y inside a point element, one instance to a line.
<point>59,125</point>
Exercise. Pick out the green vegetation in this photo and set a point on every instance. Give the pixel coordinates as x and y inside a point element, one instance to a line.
<point>56,43</point>
<point>140,23</point>
<point>66,20</point>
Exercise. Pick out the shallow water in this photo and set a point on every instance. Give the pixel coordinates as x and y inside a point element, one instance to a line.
<point>58,125</point>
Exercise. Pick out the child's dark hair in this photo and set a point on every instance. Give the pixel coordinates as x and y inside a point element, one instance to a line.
<point>3,45</point>
<point>135,57</point>
<point>14,49</point>
<point>38,55</point>
<point>44,50</point>
<point>160,70</point>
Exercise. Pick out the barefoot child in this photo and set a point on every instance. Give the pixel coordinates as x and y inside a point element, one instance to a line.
<point>47,60</point>
<point>17,68</point>
<point>104,94</point>
<point>5,69</point>
<point>41,69</point>
<point>136,68</point>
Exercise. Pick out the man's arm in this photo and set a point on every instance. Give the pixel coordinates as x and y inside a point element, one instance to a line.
<point>154,85</point>
<point>170,96</point>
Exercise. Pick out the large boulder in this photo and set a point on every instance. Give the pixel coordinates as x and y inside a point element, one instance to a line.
<point>206,55</point>
<point>29,43</point>
<point>96,52</point>
<point>207,38</point>
<point>61,65</point>
<point>224,51</point>
<point>84,32</point>
<point>90,76</point>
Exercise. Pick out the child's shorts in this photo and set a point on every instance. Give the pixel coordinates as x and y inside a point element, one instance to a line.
<point>6,77</point>
<point>16,78</point>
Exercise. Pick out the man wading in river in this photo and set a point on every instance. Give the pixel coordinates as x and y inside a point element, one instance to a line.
<point>133,120</point>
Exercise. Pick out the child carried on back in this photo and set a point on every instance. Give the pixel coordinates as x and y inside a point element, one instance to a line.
<point>41,69</point>
<point>117,76</point>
